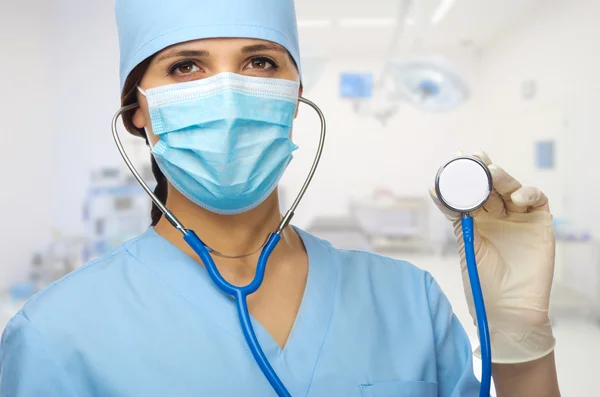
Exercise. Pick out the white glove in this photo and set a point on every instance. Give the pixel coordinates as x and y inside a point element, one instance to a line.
<point>514,246</point>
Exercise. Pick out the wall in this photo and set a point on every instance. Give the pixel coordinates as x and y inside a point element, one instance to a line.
<point>27,136</point>
<point>557,47</point>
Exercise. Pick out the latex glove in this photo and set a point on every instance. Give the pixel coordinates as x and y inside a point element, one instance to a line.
<point>514,246</point>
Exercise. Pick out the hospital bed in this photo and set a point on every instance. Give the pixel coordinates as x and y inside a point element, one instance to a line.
<point>343,232</point>
<point>394,223</point>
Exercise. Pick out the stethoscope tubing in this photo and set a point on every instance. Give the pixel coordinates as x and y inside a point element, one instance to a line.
<point>478,300</point>
<point>203,251</point>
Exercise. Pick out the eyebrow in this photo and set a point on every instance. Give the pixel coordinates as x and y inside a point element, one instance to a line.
<point>183,53</point>
<point>262,47</point>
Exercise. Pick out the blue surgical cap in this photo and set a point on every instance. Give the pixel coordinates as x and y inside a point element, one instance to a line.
<point>149,26</point>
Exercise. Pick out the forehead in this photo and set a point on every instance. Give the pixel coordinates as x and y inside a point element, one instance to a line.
<point>214,46</point>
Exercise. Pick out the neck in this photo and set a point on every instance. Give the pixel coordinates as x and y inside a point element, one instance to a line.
<point>228,234</point>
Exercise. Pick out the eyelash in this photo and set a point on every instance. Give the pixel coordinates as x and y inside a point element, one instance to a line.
<point>274,66</point>
<point>173,69</point>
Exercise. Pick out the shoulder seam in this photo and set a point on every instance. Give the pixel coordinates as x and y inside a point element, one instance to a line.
<point>82,269</point>
<point>122,248</point>
<point>47,348</point>
<point>430,283</point>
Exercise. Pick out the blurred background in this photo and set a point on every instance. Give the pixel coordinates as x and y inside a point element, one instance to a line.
<point>404,85</point>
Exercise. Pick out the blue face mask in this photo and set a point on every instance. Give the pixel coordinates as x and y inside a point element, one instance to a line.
<point>225,140</point>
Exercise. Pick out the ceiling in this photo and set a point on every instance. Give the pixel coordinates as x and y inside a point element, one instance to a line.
<point>468,24</point>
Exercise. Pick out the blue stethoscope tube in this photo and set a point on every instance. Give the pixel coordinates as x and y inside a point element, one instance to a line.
<point>240,295</point>
<point>482,323</point>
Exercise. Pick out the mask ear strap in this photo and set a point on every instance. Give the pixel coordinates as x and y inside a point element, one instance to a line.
<point>149,140</point>
<point>141,90</point>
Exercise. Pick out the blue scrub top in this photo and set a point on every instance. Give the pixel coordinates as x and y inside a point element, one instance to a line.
<point>145,320</point>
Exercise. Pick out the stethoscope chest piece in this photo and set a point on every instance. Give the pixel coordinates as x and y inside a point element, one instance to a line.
<point>464,184</point>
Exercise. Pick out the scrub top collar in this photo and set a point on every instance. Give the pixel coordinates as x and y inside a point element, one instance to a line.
<point>294,364</point>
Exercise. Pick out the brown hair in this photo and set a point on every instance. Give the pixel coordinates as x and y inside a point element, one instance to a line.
<point>129,97</point>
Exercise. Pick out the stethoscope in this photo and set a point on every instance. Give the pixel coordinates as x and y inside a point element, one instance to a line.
<point>458,184</point>
<point>203,251</point>
<point>463,185</point>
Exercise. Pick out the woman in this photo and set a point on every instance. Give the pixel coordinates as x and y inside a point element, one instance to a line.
<point>217,87</point>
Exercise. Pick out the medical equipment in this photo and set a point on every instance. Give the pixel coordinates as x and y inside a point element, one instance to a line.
<point>382,103</point>
<point>114,211</point>
<point>394,223</point>
<point>356,85</point>
<point>342,232</point>
<point>59,257</point>
<point>431,84</point>
<point>463,185</point>
<point>203,251</point>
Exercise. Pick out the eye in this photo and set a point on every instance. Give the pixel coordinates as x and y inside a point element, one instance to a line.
<point>184,68</point>
<point>262,63</point>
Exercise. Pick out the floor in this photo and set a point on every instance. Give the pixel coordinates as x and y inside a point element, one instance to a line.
<point>578,340</point>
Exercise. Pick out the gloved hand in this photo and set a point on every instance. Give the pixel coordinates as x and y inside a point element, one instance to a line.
<point>514,246</point>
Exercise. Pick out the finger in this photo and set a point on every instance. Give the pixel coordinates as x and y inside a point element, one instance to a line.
<point>505,184</point>
<point>448,213</point>
<point>483,157</point>
<point>495,206</point>
<point>530,198</point>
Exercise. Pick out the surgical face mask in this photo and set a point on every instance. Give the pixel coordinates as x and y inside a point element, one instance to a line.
<point>225,140</point>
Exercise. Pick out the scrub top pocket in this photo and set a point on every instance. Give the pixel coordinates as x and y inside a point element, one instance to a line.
<point>400,389</point>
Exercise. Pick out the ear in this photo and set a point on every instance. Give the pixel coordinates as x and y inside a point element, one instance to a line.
<point>300,92</point>
<point>138,118</point>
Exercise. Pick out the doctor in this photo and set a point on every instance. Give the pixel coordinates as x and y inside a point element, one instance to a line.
<point>217,85</point>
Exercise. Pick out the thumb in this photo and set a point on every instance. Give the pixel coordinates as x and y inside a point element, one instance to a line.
<point>531,199</point>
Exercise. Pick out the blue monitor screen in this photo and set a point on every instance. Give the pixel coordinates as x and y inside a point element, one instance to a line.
<point>545,155</point>
<point>356,85</point>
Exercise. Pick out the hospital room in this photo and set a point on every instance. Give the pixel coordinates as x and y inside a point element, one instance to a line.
<point>408,189</point>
